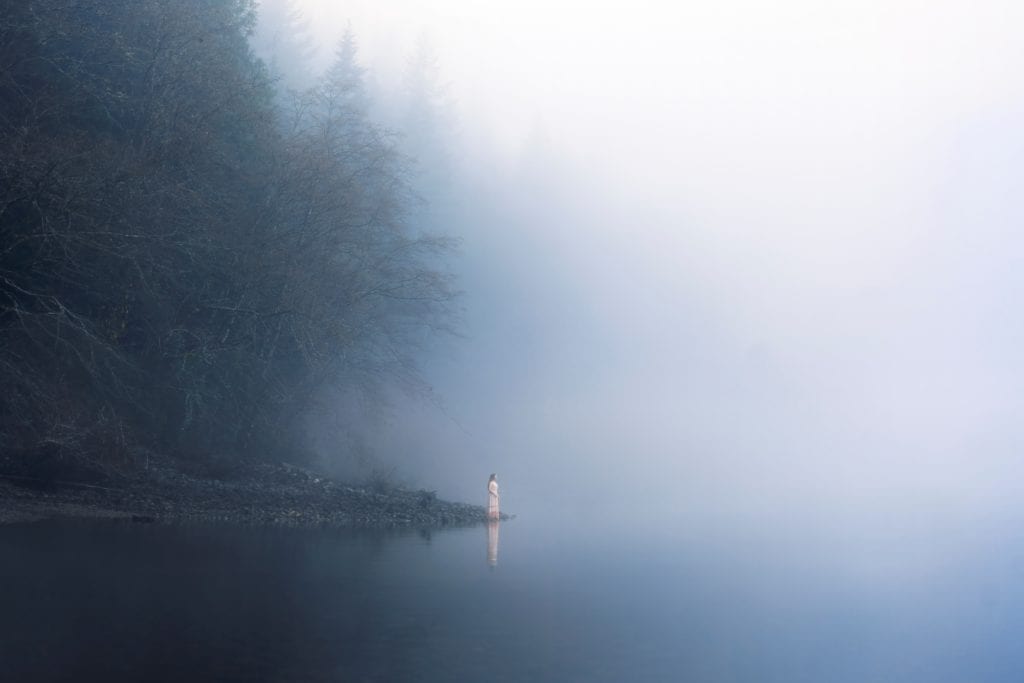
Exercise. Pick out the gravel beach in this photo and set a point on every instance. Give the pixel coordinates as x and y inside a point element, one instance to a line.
<point>278,494</point>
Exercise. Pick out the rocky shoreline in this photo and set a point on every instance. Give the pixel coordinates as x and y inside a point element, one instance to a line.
<point>275,494</point>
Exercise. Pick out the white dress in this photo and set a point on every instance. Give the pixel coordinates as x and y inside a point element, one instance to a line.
<point>492,502</point>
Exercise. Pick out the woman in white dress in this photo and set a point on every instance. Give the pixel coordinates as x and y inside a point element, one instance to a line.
<point>492,500</point>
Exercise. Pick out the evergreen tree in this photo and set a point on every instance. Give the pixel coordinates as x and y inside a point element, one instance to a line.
<point>283,38</point>
<point>427,119</point>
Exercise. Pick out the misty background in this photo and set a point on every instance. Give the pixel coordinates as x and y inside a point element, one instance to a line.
<point>725,294</point>
<point>713,256</point>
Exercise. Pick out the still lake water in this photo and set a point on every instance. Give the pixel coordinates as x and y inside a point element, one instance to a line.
<point>543,602</point>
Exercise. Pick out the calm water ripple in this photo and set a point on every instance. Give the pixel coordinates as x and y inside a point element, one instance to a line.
<point>107,602</point>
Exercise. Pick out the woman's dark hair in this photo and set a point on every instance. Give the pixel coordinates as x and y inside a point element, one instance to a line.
<point>493,477</point>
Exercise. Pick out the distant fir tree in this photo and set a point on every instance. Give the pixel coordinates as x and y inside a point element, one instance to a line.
<point>283,39</point>
<point>426,119</point>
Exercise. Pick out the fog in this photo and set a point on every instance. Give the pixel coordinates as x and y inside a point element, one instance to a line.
<point>732,256</point>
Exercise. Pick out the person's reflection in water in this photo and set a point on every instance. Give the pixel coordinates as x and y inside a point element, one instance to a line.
<point>492,543</point>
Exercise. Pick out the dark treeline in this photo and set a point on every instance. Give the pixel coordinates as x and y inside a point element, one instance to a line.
<point>189,259</point>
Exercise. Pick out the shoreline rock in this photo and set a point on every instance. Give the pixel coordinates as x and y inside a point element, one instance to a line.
<point>278,494</point>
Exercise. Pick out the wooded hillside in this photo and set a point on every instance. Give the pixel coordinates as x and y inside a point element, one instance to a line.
<point>188,259</point>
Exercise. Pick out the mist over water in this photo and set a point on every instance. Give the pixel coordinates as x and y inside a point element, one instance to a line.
<point>740,336</point>
<point>729,259</point>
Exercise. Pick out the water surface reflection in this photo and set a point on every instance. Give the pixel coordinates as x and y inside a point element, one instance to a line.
<point>117,602</point>
<point>492,542</point>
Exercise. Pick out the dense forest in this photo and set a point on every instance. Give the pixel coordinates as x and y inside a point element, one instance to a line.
<point>192,254</point>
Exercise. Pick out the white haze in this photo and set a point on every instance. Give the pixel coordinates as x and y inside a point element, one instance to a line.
<point>746,255</point>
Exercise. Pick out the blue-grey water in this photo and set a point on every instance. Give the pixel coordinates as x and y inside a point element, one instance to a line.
<point>547,600</point>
